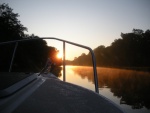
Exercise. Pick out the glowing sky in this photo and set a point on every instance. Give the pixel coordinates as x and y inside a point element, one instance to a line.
<point>88,22</point>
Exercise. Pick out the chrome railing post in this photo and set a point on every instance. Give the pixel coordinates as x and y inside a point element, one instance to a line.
<point>95,71</point>
<point>12,60</point>
<point>64,63</point>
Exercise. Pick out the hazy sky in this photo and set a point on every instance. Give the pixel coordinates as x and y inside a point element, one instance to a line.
<point>88,22</point>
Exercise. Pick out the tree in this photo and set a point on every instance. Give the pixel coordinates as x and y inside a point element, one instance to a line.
<point>30,55</point>
<point>131,50</point>
<point>137,31</point>
<point>10,26</point>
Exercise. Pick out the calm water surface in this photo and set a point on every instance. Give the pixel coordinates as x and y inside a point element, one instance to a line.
<point>128,89</point>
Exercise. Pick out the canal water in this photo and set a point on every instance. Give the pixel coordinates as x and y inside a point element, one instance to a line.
<point>127,88</point>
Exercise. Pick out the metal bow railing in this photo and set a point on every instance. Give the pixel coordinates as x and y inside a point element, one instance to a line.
<point>64,52</point>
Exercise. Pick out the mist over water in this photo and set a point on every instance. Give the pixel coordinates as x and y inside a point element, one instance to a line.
<point>127,88</point>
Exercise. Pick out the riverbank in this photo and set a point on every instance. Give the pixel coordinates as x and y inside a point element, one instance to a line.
<point>146,69</point>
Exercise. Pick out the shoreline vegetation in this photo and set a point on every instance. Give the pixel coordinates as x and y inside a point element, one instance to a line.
<point>131,51</point>
<point>32,55</point>
<point>145,69</point>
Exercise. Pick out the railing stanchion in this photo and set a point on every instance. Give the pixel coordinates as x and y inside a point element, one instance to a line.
<point>64,68</point>
<point>95,71</point>
<point>12,60</point>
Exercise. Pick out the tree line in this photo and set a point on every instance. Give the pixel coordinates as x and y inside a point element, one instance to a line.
<point>30,55</point>
<point>131,50</point>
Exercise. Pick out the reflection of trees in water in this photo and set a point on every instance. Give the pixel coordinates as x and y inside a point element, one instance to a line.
<point>131,86</point>
<point>84,72</point>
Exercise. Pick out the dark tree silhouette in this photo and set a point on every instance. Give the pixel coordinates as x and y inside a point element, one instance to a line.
<point>131,50</point>
<point>10,26</point>
<point>30,55</point>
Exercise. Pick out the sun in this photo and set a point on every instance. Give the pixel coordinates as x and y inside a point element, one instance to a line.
<point>59,55</point>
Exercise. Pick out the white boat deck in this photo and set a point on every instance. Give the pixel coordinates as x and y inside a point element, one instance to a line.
<point>51,95</point>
